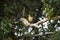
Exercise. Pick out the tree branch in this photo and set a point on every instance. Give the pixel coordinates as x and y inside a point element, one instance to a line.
<point>25,21</point>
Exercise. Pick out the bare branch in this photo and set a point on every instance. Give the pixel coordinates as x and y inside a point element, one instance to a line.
<point>25,21</point>
<point>42,21</point>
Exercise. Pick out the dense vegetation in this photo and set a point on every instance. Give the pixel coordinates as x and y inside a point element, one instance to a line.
<point>12,10</point>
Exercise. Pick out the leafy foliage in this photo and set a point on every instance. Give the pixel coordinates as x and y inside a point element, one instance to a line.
<point>12,10</point>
